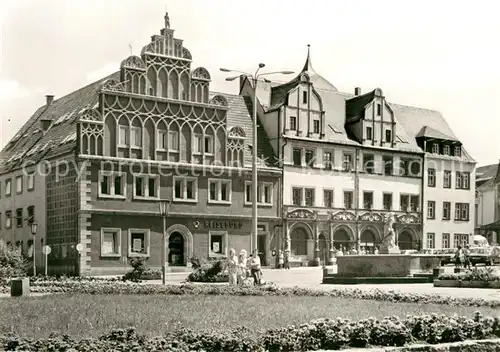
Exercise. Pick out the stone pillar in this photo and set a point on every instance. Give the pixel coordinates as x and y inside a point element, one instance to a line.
<point>317,258</point>
<point>331,252</point>
<point>311,253</point>
<point>286,230</point>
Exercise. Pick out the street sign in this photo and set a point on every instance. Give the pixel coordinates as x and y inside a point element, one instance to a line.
<point>79,247</point>
<point>46,250</point>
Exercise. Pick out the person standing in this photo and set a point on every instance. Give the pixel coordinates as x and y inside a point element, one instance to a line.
<point>255,267</point>
<point>232,267</point>
<point>242,267</point>
<point>467,257</point>
<point>287,259</point>
<point>281,259</point>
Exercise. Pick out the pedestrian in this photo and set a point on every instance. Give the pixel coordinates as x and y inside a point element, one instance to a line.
<point>459,257</point>
<point>467,256</point>
<point>242,267</point>
<point>255,267</point>
<point>287,259</point>
<point>232,267</point>
<point>281,259</point>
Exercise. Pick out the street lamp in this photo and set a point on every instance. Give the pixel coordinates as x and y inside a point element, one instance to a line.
<point>34,227</point>
<point>164,208</point>
<point>255,78</point>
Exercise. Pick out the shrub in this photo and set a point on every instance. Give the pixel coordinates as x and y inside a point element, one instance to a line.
<point>485,274</point>
<point>215,271</point>
<point>12,263</point>
<point>138,269</point>
<point>321,334</point>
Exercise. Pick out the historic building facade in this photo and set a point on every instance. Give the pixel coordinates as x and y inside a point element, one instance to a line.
<point>149,133</point>
<point>487,206</point>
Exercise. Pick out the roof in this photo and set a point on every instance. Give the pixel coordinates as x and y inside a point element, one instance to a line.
<point>355,106</point>
<point>30,143</point>
<point>429,132</point>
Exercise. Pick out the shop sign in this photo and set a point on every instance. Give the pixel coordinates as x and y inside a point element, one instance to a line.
<point>222,224</point>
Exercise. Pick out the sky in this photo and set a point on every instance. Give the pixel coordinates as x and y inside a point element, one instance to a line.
<point>431,54</point>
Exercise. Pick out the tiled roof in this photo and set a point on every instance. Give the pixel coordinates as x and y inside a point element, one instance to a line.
<point>430,132</point>
<point>487,171</point>
<point>31,144</point>
<point>355,106</point>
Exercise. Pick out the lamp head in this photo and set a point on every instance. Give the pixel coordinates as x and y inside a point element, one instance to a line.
<point>225,69</point>
<point>34,227</point>
<point>261,65</point>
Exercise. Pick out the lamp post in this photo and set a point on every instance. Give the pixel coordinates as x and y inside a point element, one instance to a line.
<point>34,227</point>
<point>164,208</point>
<point>255,77</point>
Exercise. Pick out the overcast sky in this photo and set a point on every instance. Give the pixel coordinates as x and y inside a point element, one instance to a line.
<point>435,54</point>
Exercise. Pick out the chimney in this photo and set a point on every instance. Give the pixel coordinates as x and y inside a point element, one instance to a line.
<point>357,91</point>
<point>50,99</point>
<point>45,124</point>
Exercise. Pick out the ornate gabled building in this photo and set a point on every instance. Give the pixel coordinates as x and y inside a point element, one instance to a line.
<point>350,161</point>
<point>487,207</point>
<point>111,151</point>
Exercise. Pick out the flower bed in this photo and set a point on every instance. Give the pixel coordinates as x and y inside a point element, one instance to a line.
<point>326,334</point>
<point>97,287</point>
<point>474,278</point>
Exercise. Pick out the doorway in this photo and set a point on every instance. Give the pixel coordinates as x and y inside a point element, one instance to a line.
<point>261,246</point>
<point>176,249</point>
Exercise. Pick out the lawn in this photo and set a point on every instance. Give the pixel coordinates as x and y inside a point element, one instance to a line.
<point>90,315</point>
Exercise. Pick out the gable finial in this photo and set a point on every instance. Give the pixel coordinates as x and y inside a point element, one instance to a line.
<point>130,48</point>
<point>307,65</point>
<point>167,19</point>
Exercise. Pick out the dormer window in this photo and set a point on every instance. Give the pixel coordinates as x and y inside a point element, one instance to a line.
<point>388,136</point>
<point>315,126</point>
<point>369,133</point>
<point>379,109</point>
<point>458,151</point>
<point>435,148</point>
<point>304,97</point>
<point>446,150</point>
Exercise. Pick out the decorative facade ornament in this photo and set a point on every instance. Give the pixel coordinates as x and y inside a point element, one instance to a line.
<point>133,62</point>
<point>236,132</point>
<point>408,219</point>
<point>343,216</point>
<point>186,54</point>
<point>201,73</point>
<point>372,217</point>
<point>219,100</point>
<point>91,115</point>
<point>301,214</point>
<point>113,85</point>
<point>389,241</point>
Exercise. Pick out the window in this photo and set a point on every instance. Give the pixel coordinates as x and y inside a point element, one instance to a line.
<point>162,139</point>
<point>112,184</point>
<point>460,239</point>
<point>347,162</point>
<point>219,191</point>
<point>369,133</point>
<point>388,164</point>
<point>136,137</point>
<point>309,197</point>
<point>348,199</point>
<point>138,243</point>
<point>218,243</point>
<point>409,202</point>
<point>209,144</point>
<point>462,211</point>
<point>297,196</point>
<point>111,242</point>
<point>327,160</point>
<point>368,200</point>
<point>414,203</point>
<point>431,177</point>
<point>458,151</point>
<point>430,240</point>
<point>264,193</point>
<point>309,156</point>
<point>328,198</point>
<point>173,138</point>
<point>19,184</point>
<point>293,123</point>
<point>446,150</point>
<point>123,136</point>
<point>31,214</point>
<point>387,201</point>
<point>297,157</point>
<point>431,209</point>
<point>462,180</point>
<point>8,187</point>
<point>31,181</point>
<point>304,97</point>
<point>379,109</point>
<point>185,189</point>
<point>446,210</point>
<point>315,126</point>
<point>435,148</point>
<point>368,163</point>
<point>198,143</point>
<point>445,240</point>
<point>447,179</point>
<point>388,136</point>
<point>8,219</point>
<point>19,217</point>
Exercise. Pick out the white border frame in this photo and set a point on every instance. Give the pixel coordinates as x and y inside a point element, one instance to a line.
<point>184,179</point>
<point>147,235</point>
<point>225,240</point>
<point>333,197</point>
<point>218,190</point>
<point>211,144</point>
<point>118,233</point>
<point>261,195</point>
<point>9,181</point>
<point>31,175</point>
<point>146,178</point>
<point>170,138</point>
<point>20,177</point>
<point>111,185</point>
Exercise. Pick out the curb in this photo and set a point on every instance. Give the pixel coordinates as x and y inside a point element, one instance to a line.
<point>491,345</point>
